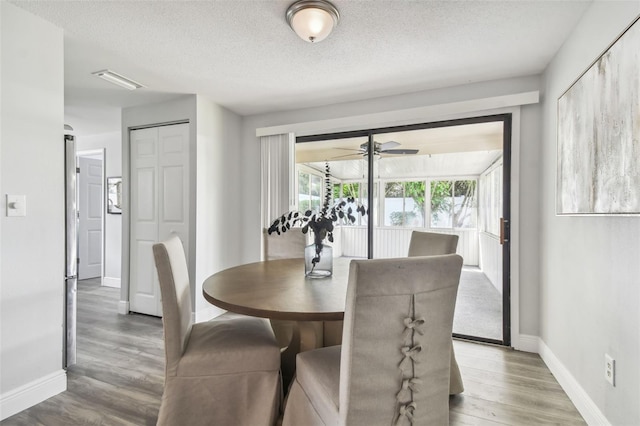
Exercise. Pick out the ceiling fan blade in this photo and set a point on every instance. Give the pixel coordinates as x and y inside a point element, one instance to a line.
<point>348,155</point>
<point>387,145</point>
<point>399,151</point>
<point>348,149</point>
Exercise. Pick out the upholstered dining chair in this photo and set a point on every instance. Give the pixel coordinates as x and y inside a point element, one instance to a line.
<point>393,364</point>
<point>224,371</point>
<point>288,245</point>
<point>433,244</point>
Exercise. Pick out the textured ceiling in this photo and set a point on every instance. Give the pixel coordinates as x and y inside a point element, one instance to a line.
<point>242,55</point>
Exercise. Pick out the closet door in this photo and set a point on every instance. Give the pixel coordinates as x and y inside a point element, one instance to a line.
<point>159,206</point>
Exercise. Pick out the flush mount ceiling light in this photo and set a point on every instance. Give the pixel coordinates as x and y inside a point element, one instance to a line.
<point>116,78</point>
<point>312,20</point>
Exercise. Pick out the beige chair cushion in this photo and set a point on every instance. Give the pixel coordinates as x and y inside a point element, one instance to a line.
<point>229,344</point>
<point>318,372</point>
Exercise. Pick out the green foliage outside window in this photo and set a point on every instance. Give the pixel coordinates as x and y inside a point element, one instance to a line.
<point>411,213</point>
<point>351,190</point>
<point>417,191</point>
<point>440,200</point>
<point>453,204</point>
<point>336,191</point>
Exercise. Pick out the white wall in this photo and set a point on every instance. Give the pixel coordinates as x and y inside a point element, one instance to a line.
<point>32,248</point>
<point>590,269</point>
<point>112,145</point>
<point>527,182</point>
<point>219,185</point>
<point>528,187</point>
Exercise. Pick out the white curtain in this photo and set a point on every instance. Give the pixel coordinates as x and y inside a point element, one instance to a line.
<point>278,176</point>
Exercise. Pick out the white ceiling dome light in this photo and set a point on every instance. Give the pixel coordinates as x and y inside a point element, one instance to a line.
<point>312,20</point>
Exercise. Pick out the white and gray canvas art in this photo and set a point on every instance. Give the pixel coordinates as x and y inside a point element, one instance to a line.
<point>599,134</point>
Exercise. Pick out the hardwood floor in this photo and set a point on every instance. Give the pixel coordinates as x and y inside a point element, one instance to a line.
<point>503,386</point>
<point>120,372</point>
<point>119,375</point>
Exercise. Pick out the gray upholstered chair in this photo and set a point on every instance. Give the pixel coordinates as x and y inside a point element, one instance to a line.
<point>289,245</point>
<point>393,365</point>
<point>224,371</point>
<point>433,244</point>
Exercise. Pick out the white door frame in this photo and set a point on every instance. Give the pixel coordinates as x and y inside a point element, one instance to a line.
<point>91,153</point>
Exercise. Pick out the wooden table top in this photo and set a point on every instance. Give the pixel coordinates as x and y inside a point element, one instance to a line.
<point>278,289</point>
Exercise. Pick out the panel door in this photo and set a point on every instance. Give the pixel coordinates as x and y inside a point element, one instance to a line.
<point>173,197</point>
<point>89,218</point>
<point>159,206</point>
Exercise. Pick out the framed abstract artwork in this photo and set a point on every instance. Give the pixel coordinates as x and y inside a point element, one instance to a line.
<point>598,169</point>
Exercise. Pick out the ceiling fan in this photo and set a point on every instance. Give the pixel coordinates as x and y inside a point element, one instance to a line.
<point>378,149</point>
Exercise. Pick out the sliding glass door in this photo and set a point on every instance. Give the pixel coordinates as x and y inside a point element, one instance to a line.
<point>447,177</point>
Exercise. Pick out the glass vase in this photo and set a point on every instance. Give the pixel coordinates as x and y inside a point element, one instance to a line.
<point>318,265</point>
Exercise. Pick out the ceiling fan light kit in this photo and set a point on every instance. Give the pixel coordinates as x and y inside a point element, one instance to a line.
<point>312,20</point>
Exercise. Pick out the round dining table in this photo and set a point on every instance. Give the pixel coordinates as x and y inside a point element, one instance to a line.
<point>279,289</point>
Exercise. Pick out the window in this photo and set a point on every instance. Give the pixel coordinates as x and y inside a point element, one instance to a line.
<point>356,190</point>
<point>454,204</point>
<point>404,204</point>
<point>309,192</point>
<point>311,195</point>
<point>491,200</point>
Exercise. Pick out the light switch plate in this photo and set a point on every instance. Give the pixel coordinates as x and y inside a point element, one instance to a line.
<point>16,205</point>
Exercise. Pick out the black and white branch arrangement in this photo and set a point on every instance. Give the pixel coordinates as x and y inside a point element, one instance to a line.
<point>321,223</point>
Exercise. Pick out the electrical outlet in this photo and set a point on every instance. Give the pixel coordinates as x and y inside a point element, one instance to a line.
<point>610,369</point>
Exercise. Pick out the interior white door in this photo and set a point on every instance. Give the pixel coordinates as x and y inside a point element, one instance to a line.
<point>159,206</point>
<point>89,218</point>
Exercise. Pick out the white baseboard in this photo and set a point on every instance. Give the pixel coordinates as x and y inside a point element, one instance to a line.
<point>33,393</point>
<point>111,282</point>
<point>123,307</point>
<point>585,405</point>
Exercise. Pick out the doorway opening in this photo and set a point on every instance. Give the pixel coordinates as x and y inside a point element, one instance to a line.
<point>448,177</point>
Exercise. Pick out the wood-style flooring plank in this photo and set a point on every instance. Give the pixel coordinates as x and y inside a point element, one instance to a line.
<point>119,377</point>
<point>510,387</point>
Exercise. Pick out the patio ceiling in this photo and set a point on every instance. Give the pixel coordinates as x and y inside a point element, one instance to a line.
<point>465,150</point>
